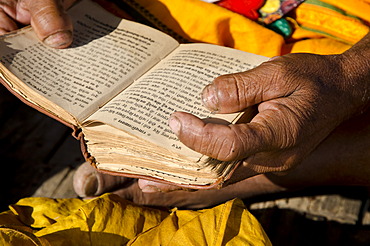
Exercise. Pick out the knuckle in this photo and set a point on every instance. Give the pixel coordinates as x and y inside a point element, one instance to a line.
<point>7,8</point>
<point>226,146</point>
<point>292,127</point>
<point>286,132</point>
<point>232,91</point>
<point>7,4</point>
<point>46,12</point>
<point>227,150</point>
<point>43,13</point>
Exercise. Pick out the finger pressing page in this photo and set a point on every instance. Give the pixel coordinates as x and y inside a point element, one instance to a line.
<point>225,142</point>
<point>51,22</point>
<point>235,92</point>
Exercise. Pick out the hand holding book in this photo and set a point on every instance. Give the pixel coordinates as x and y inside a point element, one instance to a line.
<point>51,23</point>
<point>117,86</point>
<point>278,137</point>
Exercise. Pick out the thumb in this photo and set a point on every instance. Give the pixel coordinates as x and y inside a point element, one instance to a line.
<point>225,142</point>
<point>51,23</point>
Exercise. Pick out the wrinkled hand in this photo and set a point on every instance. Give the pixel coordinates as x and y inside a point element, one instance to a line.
<point>341,159</point>
<point>301,99</point>
<point>48,18</point>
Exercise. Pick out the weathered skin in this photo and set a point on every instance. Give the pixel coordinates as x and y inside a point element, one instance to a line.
<point>312,125</point>
<point>48,17</point>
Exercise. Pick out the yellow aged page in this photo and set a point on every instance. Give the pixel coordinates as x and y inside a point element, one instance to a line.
<point>107,55</point>
<point>174,84</point>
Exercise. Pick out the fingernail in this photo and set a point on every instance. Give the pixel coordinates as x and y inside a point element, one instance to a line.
<point>174,124</point>
<point>210,98</point>
<point>150,189</point>
<point>59,39</point>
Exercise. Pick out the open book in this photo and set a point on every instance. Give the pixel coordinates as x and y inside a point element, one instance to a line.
<point>116,86</point>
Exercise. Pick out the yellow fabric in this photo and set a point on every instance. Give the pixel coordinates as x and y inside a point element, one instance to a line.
<point>227,224</point>
<point>360,8</point>
<point>333,23</point>
<point>110,220</point>
<point>199,21</point>
<point>312,42</point>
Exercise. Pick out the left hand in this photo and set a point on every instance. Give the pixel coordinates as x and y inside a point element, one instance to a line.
<point>166,196</point>
<point>48,18</point>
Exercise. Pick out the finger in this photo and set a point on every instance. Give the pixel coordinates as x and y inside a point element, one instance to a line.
<point>257,185</point>
<point>51,23</point>
<point>179,198</point>
<point>276,126</point>
<point>220,141</point>
<point>159,199</point>
<point>88,182</point>
<point>236,92</point>
<point>151,186</point>
<point>6,23</point>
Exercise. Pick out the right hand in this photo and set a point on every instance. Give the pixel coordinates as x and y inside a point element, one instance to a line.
<point>48,18</point>
<point>301,99</point>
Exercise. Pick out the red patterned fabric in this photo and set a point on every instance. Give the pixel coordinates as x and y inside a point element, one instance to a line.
<point>249,8</point>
